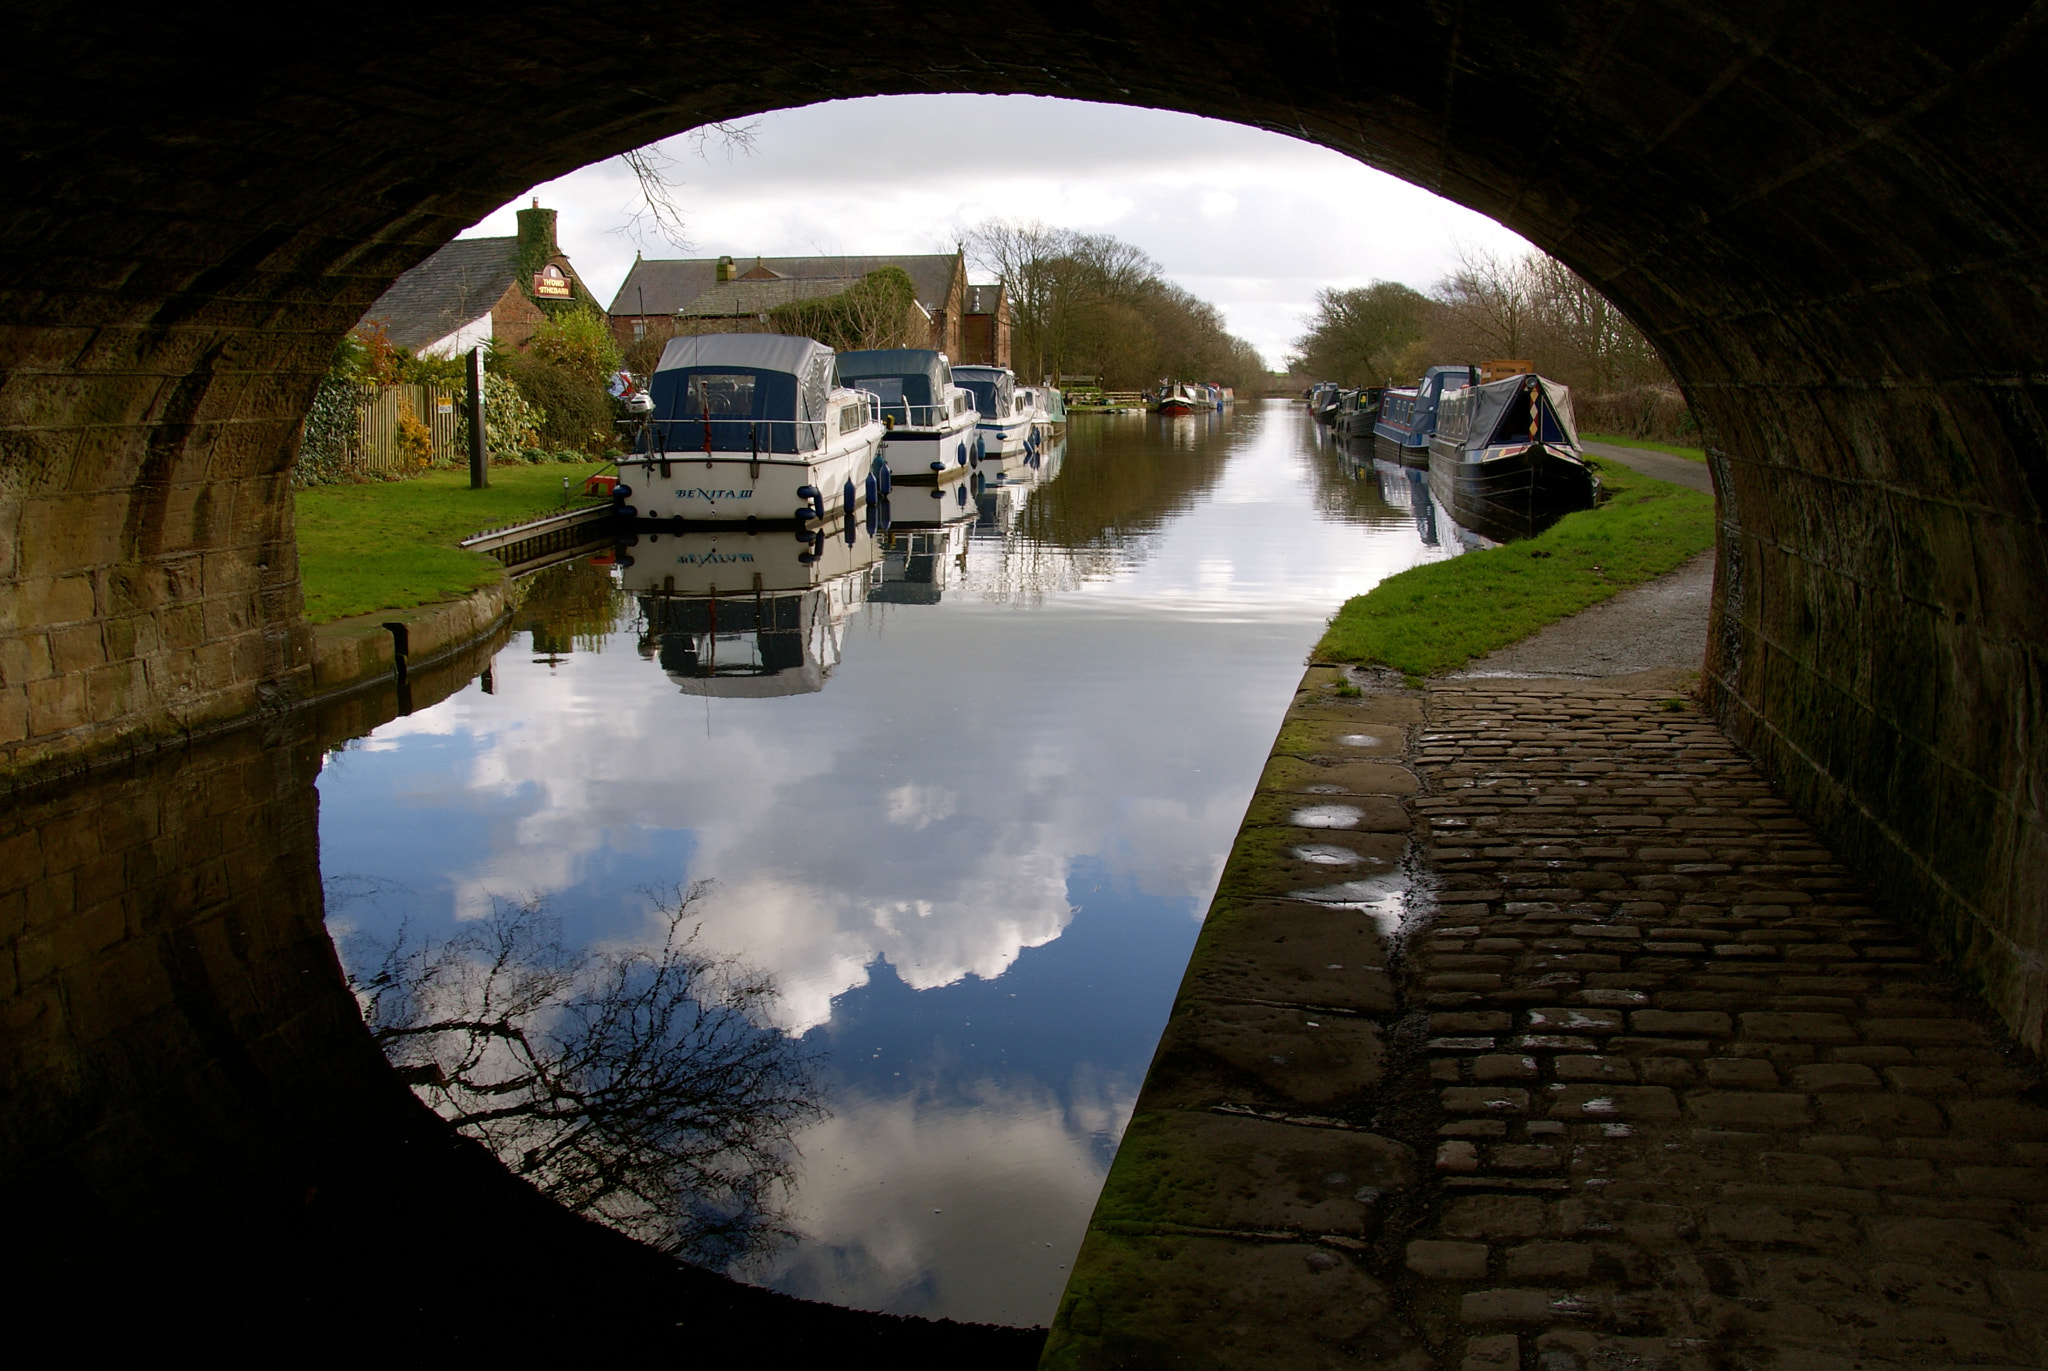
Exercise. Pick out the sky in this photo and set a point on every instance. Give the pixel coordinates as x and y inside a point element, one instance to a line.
<point>1253,222</point>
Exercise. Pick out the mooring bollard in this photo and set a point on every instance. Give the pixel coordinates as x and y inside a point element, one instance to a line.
<point>401,647</point>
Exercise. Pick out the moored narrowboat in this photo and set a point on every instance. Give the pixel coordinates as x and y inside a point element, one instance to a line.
<point>1408,414</point>
<point>1505,458</point>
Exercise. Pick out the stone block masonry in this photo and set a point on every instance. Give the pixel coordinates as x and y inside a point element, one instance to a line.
<point>1640,1075</point>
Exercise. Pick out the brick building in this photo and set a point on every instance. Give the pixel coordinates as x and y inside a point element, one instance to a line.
<point>475,290</point>
<point>985,328</point>
<point>665,296</point>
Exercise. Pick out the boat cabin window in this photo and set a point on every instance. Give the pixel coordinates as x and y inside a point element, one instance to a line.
<point>852,417</point>
<point>900,395</point>
<point>722,394</point>
<point>887,389</point>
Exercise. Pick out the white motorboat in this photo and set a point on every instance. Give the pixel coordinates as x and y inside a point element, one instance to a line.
<point>751,427</point>
<point>932,422</point>
<point>744,615</point>
<point>1008,424</point>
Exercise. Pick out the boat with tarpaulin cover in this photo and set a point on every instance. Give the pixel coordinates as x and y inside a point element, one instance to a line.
<point>752,426</point>
<point>1008,419</point>
<point>1505,459</point>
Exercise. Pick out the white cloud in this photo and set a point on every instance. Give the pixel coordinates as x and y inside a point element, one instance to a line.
<point>1253,221</point>
<point>971,1209</point>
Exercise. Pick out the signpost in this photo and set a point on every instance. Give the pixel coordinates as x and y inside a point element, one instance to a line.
<point>479,466</point>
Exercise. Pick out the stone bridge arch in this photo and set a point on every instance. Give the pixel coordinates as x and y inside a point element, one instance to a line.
<point>1829,216</point>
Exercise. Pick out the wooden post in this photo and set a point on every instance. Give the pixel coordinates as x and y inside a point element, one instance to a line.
<point>479,465</point>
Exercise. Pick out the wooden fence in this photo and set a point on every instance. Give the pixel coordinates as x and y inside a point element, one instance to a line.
<point>378,445</point>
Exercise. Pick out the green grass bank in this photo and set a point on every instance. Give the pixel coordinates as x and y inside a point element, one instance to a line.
<point>1437,617</point>
<point>1691,454</point>
<point>392,544</point>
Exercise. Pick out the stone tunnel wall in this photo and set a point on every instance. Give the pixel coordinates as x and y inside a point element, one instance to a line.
<point>1829,216</point>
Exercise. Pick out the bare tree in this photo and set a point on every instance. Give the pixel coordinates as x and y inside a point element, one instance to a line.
<point>643,1087</point>
<point>653,168</point>
<point>1489,304</point>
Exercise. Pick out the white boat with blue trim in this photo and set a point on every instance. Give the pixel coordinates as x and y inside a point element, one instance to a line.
<point>932,422</point>
<point>751,427</point>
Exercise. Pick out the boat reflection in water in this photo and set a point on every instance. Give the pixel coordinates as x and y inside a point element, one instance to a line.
<point>1406,488</point>
<point>921,559</point>
<point>1006,484</point>
<point>750,615</point>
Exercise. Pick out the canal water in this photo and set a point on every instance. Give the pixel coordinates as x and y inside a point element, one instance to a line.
<point>965,807</point>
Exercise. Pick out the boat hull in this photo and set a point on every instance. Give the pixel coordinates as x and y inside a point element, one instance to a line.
<point>1178,407</point>
<point>1004,437</point>
<point>1401,454</point>
<point>733,487</point>
<point>919,455</point>
<point>1506,494</point>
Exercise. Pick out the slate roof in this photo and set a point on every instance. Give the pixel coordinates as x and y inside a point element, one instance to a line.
<point>675,283</point>
<point>739,299</point>
<point>457,284</point>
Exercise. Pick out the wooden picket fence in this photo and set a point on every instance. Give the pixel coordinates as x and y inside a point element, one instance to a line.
<point>378,447</point>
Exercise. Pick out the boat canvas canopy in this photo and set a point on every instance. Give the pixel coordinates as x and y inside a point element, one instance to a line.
<point>1497,413</point>
<point>739,392</point>
<point>992,387</point>
<point>922,373</point>
<point>910,383</point>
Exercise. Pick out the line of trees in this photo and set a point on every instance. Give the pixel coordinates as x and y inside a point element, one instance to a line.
<point>1530,308</point>
<point>1088,304</point>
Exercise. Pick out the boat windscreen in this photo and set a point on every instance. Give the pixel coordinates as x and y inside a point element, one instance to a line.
<point>983,391</point>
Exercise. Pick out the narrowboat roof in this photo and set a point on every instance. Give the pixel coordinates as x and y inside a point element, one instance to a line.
<point>757,351</point>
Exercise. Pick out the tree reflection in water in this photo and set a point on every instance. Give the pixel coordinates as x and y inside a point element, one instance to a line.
<point>643,1087</point>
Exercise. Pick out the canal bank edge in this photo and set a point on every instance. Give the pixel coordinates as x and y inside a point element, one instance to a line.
<point>361,650</point>
<point>349,656</point>
<point>1278,1143</point>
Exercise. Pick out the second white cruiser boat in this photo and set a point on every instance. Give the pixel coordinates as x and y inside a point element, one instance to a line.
<point>1008,417</point>
<point>931,421</point>
<point>751,427</point>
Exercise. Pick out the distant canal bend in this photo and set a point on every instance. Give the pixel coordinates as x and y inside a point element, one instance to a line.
<point>964,804</point>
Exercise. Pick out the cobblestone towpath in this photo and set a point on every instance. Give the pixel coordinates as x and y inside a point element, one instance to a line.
<point>1529,1031</point>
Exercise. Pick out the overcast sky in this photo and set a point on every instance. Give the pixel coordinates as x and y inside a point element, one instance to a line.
<point>1251,221</point>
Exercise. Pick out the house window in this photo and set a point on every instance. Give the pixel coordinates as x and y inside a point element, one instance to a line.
<point>639,329</point>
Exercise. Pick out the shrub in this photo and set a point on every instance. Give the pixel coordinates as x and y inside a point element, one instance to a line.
<point>577,411</point>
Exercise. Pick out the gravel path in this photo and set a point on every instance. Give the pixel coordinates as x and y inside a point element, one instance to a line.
<point>1662,465</point>
<point>1660,625</point>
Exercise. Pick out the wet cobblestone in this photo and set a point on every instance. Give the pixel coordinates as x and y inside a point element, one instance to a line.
<point>1636,1074</point>
<point>1751,1123</point>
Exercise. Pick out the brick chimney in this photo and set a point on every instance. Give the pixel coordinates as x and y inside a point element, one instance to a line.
<point>537,233</point>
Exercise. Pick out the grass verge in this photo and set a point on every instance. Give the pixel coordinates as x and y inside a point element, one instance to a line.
<point>392,544</point>
<point>1437,617</point>
<point>1691,454</point>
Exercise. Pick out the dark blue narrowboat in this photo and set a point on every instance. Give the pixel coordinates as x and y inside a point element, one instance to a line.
<point>1408,415</point>
<point>1505,459</point>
